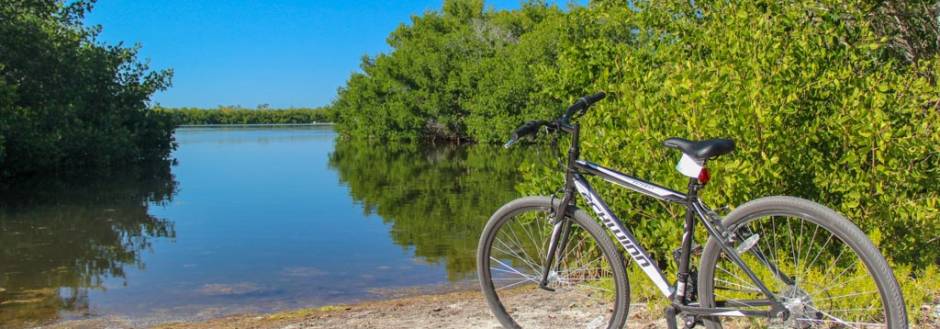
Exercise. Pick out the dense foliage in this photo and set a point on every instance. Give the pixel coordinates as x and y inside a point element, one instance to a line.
<point>69,102</point>
<point>430,86</point>
<point>238,115</point>
<point>831,101</point>
<point>822,117</point>
<point>822,105</point>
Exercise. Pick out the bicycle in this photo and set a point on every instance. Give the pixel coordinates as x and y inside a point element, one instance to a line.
<point>760,263</point>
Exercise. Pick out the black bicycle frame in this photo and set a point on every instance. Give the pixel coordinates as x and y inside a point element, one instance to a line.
<point>575,183</point>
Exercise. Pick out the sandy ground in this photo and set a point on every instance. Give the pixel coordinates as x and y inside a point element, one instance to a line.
<point>466,309</point>
<point>453,310</point>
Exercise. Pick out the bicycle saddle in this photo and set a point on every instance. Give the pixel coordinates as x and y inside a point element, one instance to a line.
<point>701,150</point>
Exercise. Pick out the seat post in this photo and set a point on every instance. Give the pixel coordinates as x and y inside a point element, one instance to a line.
<point>685,251</point>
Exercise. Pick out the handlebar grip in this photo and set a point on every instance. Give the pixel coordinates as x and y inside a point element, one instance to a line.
<point>525,129</point>
<point>582,104</point>
<point>594,98</point>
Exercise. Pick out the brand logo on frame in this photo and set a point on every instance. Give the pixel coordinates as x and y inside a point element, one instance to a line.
<point>620,235</point>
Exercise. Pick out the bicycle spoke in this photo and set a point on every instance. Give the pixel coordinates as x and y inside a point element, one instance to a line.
<point>517,283</point>
<point>809,249</point>
<point>792,249</point>
<point>840,285</point>
<point>538,244</point>
<point>534,267</point>
<point>521,246</point>
<point>509,269</point>
<point>577,246</point>
<point>847,323</point>
<point>851,295</point>
<point>826,244</point>
<point>837,320</point>
<point>510,251</point>
<point>738,279</point>
<point>745,288</point>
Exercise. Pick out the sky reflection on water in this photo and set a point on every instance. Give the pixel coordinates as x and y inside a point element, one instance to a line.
<point>253,220</point>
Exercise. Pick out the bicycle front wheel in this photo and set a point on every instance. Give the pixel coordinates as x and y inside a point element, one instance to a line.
<point>587,286</point>
<point>824,270</point>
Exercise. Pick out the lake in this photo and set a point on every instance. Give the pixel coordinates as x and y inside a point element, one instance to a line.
<point>248,220</point>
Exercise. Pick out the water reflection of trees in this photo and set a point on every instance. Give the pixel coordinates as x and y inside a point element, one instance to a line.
<point>58,239</point>
<point>437,199</point>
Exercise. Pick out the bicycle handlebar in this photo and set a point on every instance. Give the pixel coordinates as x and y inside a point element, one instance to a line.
<point>525,129</point>
<point>582,105</point>
<point>531,127</point>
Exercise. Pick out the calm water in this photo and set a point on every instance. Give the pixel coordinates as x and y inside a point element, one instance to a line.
<point>247,220</point>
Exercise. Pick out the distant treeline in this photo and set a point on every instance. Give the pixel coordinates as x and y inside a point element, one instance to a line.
<point>238,115</point>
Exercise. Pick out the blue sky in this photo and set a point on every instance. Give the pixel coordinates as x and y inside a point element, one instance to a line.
<point>286,53</point>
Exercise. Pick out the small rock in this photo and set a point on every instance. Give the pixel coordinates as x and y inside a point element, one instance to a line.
<point>437,309</point>
<point>230,289</point>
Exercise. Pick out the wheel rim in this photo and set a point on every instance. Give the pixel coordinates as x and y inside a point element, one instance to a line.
<point>831,286</point>
<point>584,295</point>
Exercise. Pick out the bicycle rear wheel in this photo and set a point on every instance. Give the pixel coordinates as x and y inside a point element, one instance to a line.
<point>588,285</point>
<point>822,267</point>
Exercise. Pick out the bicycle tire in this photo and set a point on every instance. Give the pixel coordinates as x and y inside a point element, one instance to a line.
<point>895,314</point>
<point>579,218</point>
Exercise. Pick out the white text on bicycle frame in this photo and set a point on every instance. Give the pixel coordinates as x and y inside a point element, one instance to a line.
<point>620,235</point>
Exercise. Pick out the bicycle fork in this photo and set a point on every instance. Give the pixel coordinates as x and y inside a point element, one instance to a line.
<point>559,239</point>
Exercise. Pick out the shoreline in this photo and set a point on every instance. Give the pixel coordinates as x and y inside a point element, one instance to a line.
<point>446,310</point>
<point>255,125</point>
<point>464,308</point>
<point>451,310</point>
